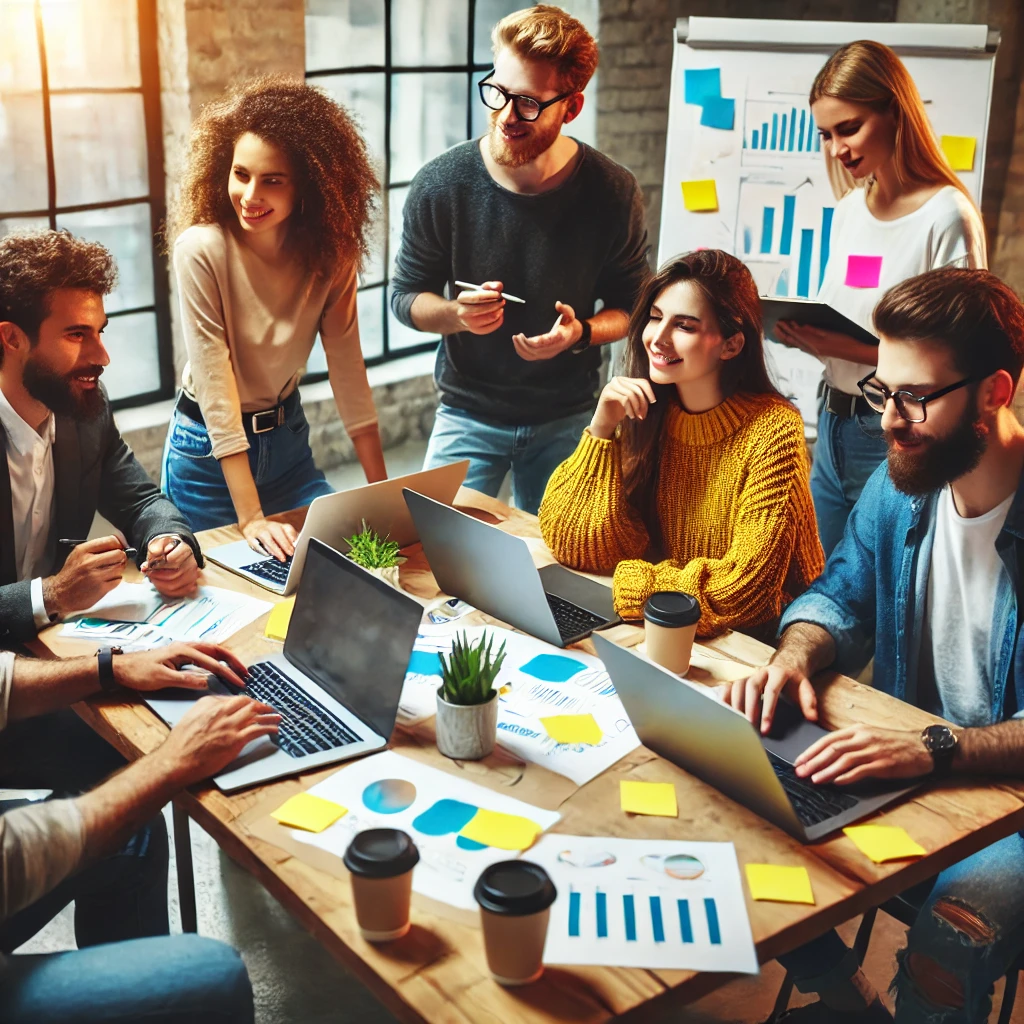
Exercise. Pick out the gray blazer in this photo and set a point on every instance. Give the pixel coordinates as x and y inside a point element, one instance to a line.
<point>94,470</point>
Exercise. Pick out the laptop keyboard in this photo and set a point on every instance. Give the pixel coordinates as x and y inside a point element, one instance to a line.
<point>813,804</point>
<point>307,727</point>
<point>270,569</point>
<point>571,619</point>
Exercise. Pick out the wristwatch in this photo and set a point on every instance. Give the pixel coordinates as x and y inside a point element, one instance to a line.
<point>584,343</point>
<point>940,742</point>
<point>105,657</point>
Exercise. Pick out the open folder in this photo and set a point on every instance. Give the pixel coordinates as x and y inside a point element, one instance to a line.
<point>814,314</point>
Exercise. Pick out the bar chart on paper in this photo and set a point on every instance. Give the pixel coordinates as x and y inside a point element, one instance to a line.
<point>777,128</point>
<point>636,916</point>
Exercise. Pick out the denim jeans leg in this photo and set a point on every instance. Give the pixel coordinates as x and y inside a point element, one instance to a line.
<point>192,478</point>
<point>538,452</point>
<point>184,979</point>
<point>286,474</point>
<point>488,446</point>
<point>967,934</point>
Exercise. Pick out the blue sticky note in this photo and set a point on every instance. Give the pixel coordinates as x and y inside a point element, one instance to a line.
<point>424,663</point>
<point>718,112</point>
<point>552,668</point>
<point>702,84</point>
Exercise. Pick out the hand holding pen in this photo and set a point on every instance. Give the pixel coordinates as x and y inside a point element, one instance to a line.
<point>480,310</point>
<point>171,566</point>
<point>92,569</point>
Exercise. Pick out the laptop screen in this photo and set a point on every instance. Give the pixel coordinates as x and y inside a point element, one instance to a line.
<point>353,634</point>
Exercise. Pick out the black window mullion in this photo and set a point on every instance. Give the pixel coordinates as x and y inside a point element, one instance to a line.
<point>386,269</point>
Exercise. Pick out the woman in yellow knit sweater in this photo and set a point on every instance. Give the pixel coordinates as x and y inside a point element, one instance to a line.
<point>693,473</point>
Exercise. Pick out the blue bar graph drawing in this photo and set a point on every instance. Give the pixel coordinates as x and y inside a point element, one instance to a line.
<point>601,907</point>
<point>803,276</point>
<point>753,143</point>
<point>629,913</point>
<point>782,134</point>
<point>685,928</point>
<point>788,209</point>
<point>764,135</point>
<point>775,131</point>
<point>574,914</point>
<point>767,224</point>
<point>786,136</point>
<point>657,925</point>
<point>714,932</point>
<point>826,236</point>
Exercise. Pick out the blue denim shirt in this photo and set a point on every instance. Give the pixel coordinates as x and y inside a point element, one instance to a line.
<point>871,598</point>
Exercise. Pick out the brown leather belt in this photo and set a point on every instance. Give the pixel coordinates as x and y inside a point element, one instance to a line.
<point>254,422</point>
<point>845,406</point>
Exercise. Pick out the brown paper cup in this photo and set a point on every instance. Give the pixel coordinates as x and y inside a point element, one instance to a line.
<point>515,946</point>
<point>382,906</point>
<point>670,646</point>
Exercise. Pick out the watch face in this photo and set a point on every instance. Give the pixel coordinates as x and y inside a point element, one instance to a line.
<point>939,738</point>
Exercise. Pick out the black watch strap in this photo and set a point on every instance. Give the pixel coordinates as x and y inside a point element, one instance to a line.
<point>105,657</point>
<point>940,741</point>
<point>584,343</point>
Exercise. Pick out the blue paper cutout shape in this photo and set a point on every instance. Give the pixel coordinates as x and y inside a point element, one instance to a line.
<point>425,663</point>
<point>469,844</point>
<point>718,112</point>
<point>702,84</point>
<point>444,817</point>
<point>389,796</point>
<point>552,668</point>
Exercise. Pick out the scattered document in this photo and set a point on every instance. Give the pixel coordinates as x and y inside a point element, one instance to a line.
<point>779,883</point>
<point>460,828</point>
<point>646,903</point>
<point>308,812</point>
<point>127,602</point>
<point>884,842</point>
<point>654,798</point>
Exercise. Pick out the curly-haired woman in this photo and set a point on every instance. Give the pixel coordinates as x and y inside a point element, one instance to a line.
<point>268,236</point>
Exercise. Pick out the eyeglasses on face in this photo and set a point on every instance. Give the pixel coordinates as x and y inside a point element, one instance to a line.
<point>911,407</point>
<point>526,107</point>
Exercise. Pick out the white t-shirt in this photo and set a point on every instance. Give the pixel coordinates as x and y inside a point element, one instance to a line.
<point>945,231</point>
<point>957,652</point>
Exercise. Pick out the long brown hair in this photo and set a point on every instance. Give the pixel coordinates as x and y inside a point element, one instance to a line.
<point>729,288</point>
<point>871,74</point>
<point>336,189</point>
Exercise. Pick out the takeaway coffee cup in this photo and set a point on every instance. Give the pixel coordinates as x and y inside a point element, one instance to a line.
<point>515,900</point>
<point>670,622</point>
<point>380,861</point>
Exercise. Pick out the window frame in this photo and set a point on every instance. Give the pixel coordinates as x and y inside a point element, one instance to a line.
<point>149,89</point>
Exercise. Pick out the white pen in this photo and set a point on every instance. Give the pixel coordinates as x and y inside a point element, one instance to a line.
<point>481,288</point>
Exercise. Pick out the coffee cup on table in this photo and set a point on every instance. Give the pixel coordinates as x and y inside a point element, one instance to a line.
<point>515,900</point>
<point>380,861</point>
<point>670,622</point>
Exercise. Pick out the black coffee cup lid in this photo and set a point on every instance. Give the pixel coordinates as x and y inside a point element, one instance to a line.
<point>672,608</point>
<point>381,853</point>
<point>514,888</point>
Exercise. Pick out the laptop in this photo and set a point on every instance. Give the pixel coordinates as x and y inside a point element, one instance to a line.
<point>334,517</point>
<point>690,727</point>
<point>494,572</point>
<point>338,683</point>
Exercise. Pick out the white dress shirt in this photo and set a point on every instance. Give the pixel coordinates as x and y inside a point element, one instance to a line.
<point>33,499</point>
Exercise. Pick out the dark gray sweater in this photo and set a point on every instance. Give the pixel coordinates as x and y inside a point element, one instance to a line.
<point>583,241</point>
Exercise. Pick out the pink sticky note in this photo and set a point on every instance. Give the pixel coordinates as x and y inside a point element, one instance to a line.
<point>863,271</point>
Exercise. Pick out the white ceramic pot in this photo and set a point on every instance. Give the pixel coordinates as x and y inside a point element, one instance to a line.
<point>466,732</point>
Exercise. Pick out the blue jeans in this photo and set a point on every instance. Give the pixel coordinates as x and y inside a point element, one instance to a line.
<point>531,453</point>
<point>181,980</point>
<point>987,888</point>
<point>281,462</point>
<point>846,453</point>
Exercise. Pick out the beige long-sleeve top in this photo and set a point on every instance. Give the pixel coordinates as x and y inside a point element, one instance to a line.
<point>40,845</point>
<point>249,326</point>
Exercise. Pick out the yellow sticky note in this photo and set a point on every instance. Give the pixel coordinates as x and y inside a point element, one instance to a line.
<point>657,798</point>
<point>779,883</point>
<point>700,196</point>
<point>502,831</point>
<point>884,842</point>
<point>308,812</point>
<point>959,150</point>
<point>280,616</point>
<point>573,728</point>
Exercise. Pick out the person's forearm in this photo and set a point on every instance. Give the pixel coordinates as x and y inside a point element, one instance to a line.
<point>855,351</point>
<point>805,648</point>
<point>991,750</point>
<point>42,686</point>
<point>434,314</point>
<point>241,486</point>
<point>370,454</point>
<point>608,325</point>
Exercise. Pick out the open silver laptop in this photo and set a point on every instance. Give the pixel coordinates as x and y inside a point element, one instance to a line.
<point>494,572</point>
<point>338,683</point>
<point>693,729</point>
<point>334,517</point>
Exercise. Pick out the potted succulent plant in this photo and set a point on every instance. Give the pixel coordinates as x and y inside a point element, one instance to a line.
<point>376,554</point>
<point>467,703</point>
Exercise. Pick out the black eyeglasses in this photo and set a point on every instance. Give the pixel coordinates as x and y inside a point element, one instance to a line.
<point>911,407</point>
<point>526,107</point>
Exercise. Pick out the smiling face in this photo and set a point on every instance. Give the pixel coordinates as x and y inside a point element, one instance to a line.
<point>512,141</point>
<point>860,138</point>
<point>684,344</point>
<point>261,184</point>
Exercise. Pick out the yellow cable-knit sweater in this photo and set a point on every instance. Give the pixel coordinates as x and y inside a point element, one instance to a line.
<point>737,523</point>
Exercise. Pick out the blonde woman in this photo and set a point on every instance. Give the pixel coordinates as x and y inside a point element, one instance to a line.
<point>269,234</point>
<point>898,199</point>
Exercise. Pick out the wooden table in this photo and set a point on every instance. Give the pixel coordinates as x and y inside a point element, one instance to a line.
<point>438,972</point>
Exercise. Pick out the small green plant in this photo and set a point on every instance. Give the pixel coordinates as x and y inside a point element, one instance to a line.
<point>372,551</point>
<point>468,673</point>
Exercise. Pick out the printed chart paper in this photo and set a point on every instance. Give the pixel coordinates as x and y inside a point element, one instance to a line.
<point>536,681</point>
<point>387,790</point>
<point>639,903</point>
